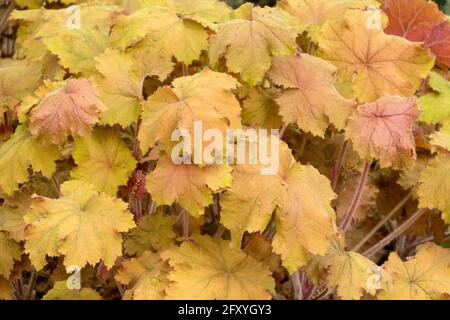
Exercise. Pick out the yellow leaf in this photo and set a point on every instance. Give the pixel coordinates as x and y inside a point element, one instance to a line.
<point>250,40</point>
<point>9,252</point>
<point>14,86</point>
<point>187,184</point>
<point>205,96</point>
<point>442,137</point>
<point>120,87</point>
<point>435,184</point>
<point>310,98</point>
<point>377,64</point>
<point>305,220</point>
<point>20,152</point>
<point>11,221</point>
<point>260,110</point>
<point>71,109</point>
<point>209,269</point>
<point>301,197</point>
<point>145,276</point>
<point>153,232</point>
<point>351,272</point>
<point>177,28</point>
<point>103,159</point>
<point>312,14</point>
<point>5,289</point>
<point>83,225</point>
<point>435,105</point>
<point>60,291</point>
<point>77,48</point>
<point>423,277</point>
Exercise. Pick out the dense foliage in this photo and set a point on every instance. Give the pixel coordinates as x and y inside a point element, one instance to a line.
<point>94,207</point>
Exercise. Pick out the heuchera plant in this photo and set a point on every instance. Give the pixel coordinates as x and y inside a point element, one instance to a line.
<point>94,207</point>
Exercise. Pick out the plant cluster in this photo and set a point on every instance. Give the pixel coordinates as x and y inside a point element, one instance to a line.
<point>93,207</point>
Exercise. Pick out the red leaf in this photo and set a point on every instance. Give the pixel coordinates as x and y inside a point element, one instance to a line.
<point>438,40</point>
<point>411,19</point>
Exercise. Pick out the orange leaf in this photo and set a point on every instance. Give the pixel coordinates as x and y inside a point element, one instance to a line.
<point>70,109</point>
<point>383,130</point>
<point>438,40</point>
<point>411,19</point>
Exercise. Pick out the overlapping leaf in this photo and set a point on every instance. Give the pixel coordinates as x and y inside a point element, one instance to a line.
<point>187,184</point>
<point>438,40</point>
<point>375,63</point>
<point>205,97</point>
<point>21,151</point>
<point>411,19</point>
<point>153,233</point>
<point>209,269</point>
<point>255,34</point>
<point>9,253</point>
<point>122,81</point>
<point>178,28</point>
<point>310,98</point>
<point>312,14</point>
<point>382,130</point>
<point>435,184</point>
<point>301,198</point>
<point>72,109</point>
<point>426,276</point>
<point>145,276</point>
<point>83,225</point>
<point>103,159</point>
<point>60,291</point>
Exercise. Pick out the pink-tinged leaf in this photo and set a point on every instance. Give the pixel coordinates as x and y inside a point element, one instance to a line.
<point>411,19</point>
<point>70,109</point>
<point>383,130</point>
<point>438,40</point>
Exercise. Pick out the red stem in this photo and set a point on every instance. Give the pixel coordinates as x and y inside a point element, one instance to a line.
<point>336,172</point>
<point>397,232</point>
<point>356,198</point>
